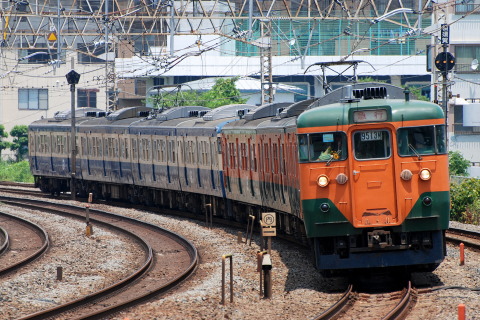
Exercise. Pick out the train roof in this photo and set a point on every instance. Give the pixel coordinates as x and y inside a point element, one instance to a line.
<point>297,108</point>
<point>152,126</point>
<point>182,112</point>
<point>62,120</point>
<point>205,128</point>
<point>231,110</point>
<point>106,125</point>
<point>267,110</point>
<point>342,113</point>
<point>391,91</point>
<point>243,126</point>
<point>280,125</point>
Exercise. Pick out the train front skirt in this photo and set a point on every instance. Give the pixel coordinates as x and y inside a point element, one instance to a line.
<point>419,259</point>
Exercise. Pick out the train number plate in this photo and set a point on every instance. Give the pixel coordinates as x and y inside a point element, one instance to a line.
<point>371,135</point>
<point>370,115</point>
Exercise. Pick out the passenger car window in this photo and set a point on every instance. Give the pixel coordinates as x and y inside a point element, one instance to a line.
<point>328,146</point>
<point>371,144</point>
<point>421,140</point>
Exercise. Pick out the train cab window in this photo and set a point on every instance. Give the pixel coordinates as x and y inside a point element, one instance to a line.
<point>371,144</point>
<point>421,140</point>
<point>327,146</point>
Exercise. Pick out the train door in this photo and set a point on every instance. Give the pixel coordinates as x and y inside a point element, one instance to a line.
<point>32,150</point>
<point>374,194</point>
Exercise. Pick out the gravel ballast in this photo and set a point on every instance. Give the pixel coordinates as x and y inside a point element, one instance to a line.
<point>299,291</point>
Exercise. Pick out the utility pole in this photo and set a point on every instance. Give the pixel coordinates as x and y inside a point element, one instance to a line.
<point>266,62</point>
<point>110,77</point>
<point>59,42</point>
<point>72,79</point>
<point>445,62</point>
<point>105,20</point>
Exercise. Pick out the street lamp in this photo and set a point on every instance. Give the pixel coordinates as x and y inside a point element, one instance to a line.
<point>72,78</point>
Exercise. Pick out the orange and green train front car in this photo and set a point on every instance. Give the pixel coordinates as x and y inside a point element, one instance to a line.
<point>374,183</point>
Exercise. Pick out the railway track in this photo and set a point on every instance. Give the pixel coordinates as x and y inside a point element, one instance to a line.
<point>23,242</point>
<point>469,238</point>
<point>355,305</point>
<point>30,191</point>
<point>156,276</point>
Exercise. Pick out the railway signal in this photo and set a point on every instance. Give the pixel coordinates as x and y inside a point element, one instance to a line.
<point>445,61</point>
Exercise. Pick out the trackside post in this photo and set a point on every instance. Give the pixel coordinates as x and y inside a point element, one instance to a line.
<point>89,228</point>
<point>224,257</point>
<point>208,217</point>
<point>461,311</point>
<point>250,229</point>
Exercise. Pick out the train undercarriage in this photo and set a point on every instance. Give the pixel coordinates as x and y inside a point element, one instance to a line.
<point>197,204</point>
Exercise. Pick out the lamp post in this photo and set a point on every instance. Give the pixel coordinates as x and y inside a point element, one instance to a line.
<point>72,79</point>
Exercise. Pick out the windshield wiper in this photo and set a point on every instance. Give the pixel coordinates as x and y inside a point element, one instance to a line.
<point>332,158</point>
<point>415,151</point>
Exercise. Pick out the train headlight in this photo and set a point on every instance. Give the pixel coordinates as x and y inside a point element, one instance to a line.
<point>425,174</point>
<point>341,178</point>
<point>406,175</point>
<point>427,201</point>
<point>322,181</point>
<point>324,207</point>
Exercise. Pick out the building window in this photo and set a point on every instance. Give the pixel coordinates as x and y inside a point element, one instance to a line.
<point>464,55</point>
<point>33,99</point>
<point>140,87</point>
<point>87,98</point>
<point>89,53</point>
<point>464,6</point>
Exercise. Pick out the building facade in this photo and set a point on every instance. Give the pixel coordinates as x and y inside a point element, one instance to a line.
<point>125,48</point>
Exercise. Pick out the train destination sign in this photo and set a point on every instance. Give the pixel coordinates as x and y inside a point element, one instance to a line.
<point>370,115</point>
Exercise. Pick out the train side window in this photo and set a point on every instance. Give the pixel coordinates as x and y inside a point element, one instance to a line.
<point>160,150</point>
<point>326,146</point>
<point>266,156</point>
<point>275,159</point>
<point>89,147</point>
<point>83,142</point>
<point>243,156</point>
<point>126,148</point>
<point>134,149</point>
<point>372,144</point>
<point>255,160</point>
<point>423,140</point>
<point>440,140</point>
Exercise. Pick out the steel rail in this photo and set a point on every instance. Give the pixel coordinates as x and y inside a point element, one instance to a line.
<point>121,285</point>
<point>468,234</point>
<point>37,229</point>
<point>6,242</point>
<point>402,308</point>
<point>340,306</point>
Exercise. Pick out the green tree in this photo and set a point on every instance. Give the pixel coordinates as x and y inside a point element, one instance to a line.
<point>20,141</point>
<point>464,200</point>
<point>222,93</point>
<point>457,164</point>
<point>3,144</point>
<point>180,98</point>
<point>417,92</point>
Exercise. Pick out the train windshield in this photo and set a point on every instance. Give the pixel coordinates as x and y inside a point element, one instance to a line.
<point>326,146</point>
<point>371,144</point>
<point>421,140</point>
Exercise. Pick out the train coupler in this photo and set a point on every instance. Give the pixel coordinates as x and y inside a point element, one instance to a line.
<point>379,239</point>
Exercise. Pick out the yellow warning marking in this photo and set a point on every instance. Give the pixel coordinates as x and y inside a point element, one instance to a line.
<point>52,36</point>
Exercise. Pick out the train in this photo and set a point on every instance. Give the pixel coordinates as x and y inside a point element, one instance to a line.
<point>360,174</point>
